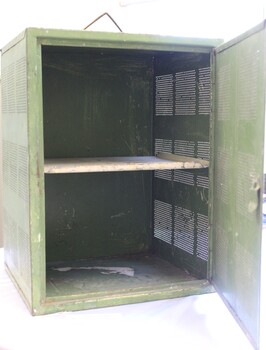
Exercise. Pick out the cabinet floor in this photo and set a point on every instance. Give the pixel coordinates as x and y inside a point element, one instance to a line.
<point>107,275</point>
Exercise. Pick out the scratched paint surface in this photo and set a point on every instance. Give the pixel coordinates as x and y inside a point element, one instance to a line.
<point>97,214</point>
<point>87,276</point>
<point>97,103</point>
<point>104,270</point>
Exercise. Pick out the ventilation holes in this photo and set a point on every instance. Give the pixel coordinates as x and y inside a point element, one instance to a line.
<point>163,174</point>
<point>202,181</point>
<point>204,91</point>
<point>24,257</point>
<point>8,88</point>
<point>246,170</point>
<point>17,249</point>
<point>14,88</point>
<point>184,148</point>
<point>13,160</point>
<point>203,150</point>
<point>11,246</point>
<point>15,169</point>
<point>21,86</point>
<point>223,95</point>
<point>248,81</point>
<point>245,265</point>
<point>184,177</point>
<point>202,237</point>
<point>185,223</point>
<point>23,180</point>
<point>164,95</point>
<point>222,176</point>
<point>221,254</point>
<point>6,162</point>
<point>163,221</point>
<point>163,145</point>
<point>6,233</point>
<point>176,93</point>
<point>184,229</point>
<point>185,93</point>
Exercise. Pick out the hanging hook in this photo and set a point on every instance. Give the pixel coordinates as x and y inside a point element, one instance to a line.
<point>104,14</point>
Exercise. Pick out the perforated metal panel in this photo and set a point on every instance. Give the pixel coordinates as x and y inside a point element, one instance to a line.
<point>16,167</point>
<point>238,173</point>
<point>184,177</point>
<point>204,91</point>
<point>163,221</point>
<point>203,181</point>
<point>222,187</point>
<point>203,150</point>
<point>163,145</point>
<point>185,93</point>
<point>202,236</point>
<point>183,192</point>
<point>245,182</point>
<point>164,95</point>
<point>184,148</point>
<point>221,256</point>
<point>248,95</point>
<point>184,229</point>
<point>223,91</point>
<point>14,98</point>
<point>177,93</point>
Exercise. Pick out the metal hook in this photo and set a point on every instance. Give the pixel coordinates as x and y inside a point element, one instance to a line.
<point>104,14</point>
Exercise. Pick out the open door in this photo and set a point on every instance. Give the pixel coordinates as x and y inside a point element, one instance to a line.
<point>237,175</point>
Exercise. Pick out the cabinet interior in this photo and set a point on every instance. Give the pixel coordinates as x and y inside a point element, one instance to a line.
<point>124,230</point>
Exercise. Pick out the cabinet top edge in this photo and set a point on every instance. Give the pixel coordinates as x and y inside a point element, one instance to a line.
<point>82,38</point>
<point>223,46</point>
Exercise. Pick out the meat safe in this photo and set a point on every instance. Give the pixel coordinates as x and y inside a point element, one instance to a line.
<point>132,168</point>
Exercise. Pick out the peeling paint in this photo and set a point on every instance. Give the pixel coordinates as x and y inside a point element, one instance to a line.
<point>104,270</point>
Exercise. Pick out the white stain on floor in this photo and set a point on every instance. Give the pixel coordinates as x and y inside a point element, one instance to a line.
<point>104,270</point>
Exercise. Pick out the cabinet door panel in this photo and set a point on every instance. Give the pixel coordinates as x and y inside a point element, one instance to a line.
<point>237,174</point>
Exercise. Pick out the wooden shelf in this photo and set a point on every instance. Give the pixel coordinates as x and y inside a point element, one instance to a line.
<point>162,161</point>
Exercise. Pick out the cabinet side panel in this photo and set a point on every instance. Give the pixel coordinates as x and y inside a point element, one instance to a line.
<point>16,167</point>
<point>181,127</point>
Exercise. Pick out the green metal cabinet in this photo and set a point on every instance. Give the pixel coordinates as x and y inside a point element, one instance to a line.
<point>100,206</point>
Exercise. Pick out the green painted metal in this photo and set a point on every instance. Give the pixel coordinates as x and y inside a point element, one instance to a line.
<point>16,211</point>
<point>69,77</point>
<point>97,215</point>
<point>182,190</point>
<point>97,103</point>
<point>36,176</point>
<point>237,175</point>
<point>78,302</point>
<point>146,42</point>
<point>96,276</point>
